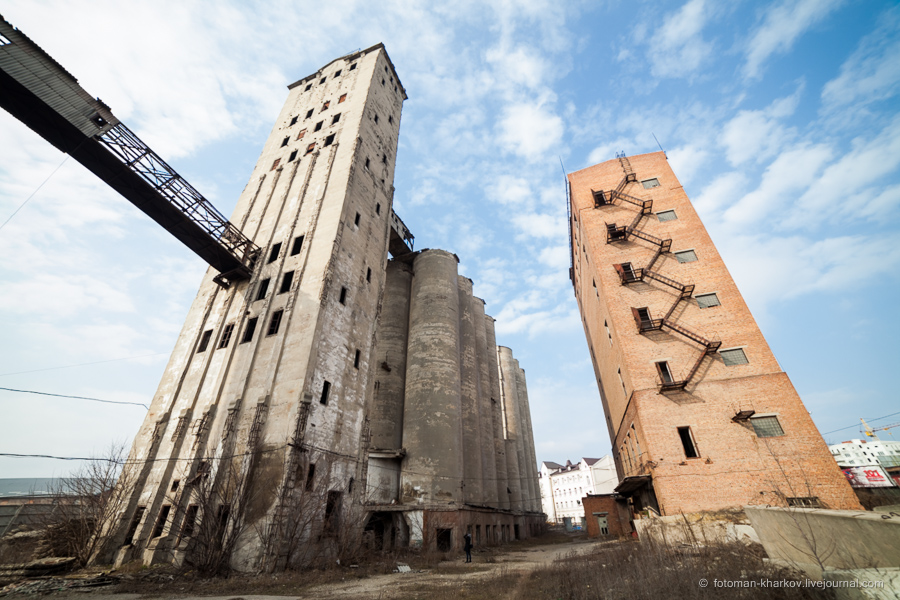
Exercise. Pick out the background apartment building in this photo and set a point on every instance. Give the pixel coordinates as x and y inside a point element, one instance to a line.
<point>700,413</point>
<point>563,487</point>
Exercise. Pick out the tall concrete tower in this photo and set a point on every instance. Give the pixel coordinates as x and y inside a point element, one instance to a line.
<point>269,376</point>
<point>700,413</point>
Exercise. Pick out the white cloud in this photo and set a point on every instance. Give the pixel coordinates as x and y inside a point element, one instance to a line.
<point>678,49</point>
<point>687,160</point>
<point>872,73</point>
<point>782,24</point>
<point>720,193</point>
<point>530,130</point>
<point>759,134</point>
<point>556,257</point>
<point>540,225</point>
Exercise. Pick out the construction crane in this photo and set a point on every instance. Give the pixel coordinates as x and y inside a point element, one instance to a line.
<point>38,91</point>
<point>870,432</point>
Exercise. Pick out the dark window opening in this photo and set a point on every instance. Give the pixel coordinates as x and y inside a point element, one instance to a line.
<point>226,336</point>
<point>353,66</point>
<point>326,105</point>
<point>356,220</point>
<point>175,485</point>
<point>382,81</point>
<point>326,387</point>
<point>384,158</point>
<point>308,87</point>
<point>263,289</point>
<point>665,374</point>
<point>368,273</point>
<point>377,208</point>
<point>286,282</point>
<point>204,341</point>
<point>329,140</point>
<point>336,118</point>
<point>251,329</point>
<point>301,134</point>
<point>367,164</point>
<point>285,141</point>
<point>643,314</point>
<point>323,80</point>
<point>135,521</point>
<point>337,73</point>
<point>390,119</point>
<point>356,360</point>
<point>350,486</point>
<point>292,156</point>
<point>161,521</point>
<point>298,244</point>
<point>343,296</point>
<point>190,519</point>
<point>309,113</point>
<point>318,126</point>
<point>333,510</point>
<point>310,477</point>
<point>807,502</point>
<point>222,514</point>
<point>294,120</point>
<point>311,147</point>
<point>687,441</point>
<point>376,118</point>
<point>444,537</point>
<point>275,322</point>
<point>274,252</point>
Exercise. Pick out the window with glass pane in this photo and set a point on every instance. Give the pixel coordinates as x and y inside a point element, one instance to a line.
<point>707,300</point>
<point>767,426</point>
<point>686,256</point>
<point>734,357</point>
<point>666,215</point>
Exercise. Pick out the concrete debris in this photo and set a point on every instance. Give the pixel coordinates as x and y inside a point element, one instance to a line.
<point>401,568</point>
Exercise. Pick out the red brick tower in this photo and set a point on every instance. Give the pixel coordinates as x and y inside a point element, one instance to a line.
<point>700,413</point>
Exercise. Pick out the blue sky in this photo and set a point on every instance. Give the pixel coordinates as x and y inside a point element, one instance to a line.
<point>781,120</point>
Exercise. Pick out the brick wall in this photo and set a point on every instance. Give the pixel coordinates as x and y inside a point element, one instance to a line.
<point>616,513</point>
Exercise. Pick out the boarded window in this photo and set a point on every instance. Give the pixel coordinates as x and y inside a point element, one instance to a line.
<point>766,426</point>
<point>707,300</point>
<point>226,335</point>
<point>297,245</point>
<point>666,215</point>
<point>263,289</point>
<point>734,357</point>
<point>251,329</point>
<point>204,341</point>
<point>687,441</point>
<point>311,147</point>
<point>326,105</point>
<point>286,282</point>
<point>650,183</point>
<point>301,134</point>
<point>275,323</point>
<point>275,164</point>
<point>686,256</point>
<point>274,252</point>
<point>342,98</point>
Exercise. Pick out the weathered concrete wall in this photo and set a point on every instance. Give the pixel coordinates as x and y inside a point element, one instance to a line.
<point>485,358</point>
<point>499,429</point>
<point>810,539</point>
<point>695,529</point>
<point>515,450</point>
<point>470,390</point>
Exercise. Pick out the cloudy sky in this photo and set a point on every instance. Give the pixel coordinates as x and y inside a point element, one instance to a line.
<point>780,118</point>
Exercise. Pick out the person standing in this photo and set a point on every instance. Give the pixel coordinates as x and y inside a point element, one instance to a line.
<point>468,547</point>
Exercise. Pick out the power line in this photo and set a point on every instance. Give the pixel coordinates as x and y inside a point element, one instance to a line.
<point>76,397</point>
<point>21,206</point>
<point>859,424</point>
<point>83,364</point>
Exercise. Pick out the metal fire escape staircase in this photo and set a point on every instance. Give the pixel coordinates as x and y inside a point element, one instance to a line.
<point>628,275</point>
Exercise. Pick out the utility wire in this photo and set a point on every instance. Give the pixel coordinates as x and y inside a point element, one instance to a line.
<point>83,364</point>
<point>21,206</point>
<point>76,397</point>
<point>860,424</point>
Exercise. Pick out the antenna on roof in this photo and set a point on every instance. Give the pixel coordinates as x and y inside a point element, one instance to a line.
<point>660,146</point>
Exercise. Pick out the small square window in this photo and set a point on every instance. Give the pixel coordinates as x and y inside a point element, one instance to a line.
<point>297,245</point>
<point>251,329</point>
<point>707,300</point>
<point>666,215</point>
<point>318,126</point>
<point>337,73</point>
<point>356,360</point>
<point>275,164</point>
<point>204,341</point>
<point>382,81</point>
<point>293,120</point>
<point>367,164</point>
<point>308,87</point>
<point>369,274</point>
<point>273,254</point>
<point>766,426</point>
<point>301,134</point>
<point>353,66</point>
<point>263,289</point>
<point>275,323</point>
<point>309,113</point>
<point>326,105</point>
<point>650,183</point>
<point>343,297</point>
<point>376,118</point>
<point>310,148</point>
<point>390,119</point>
<point>323,80</point>
<point>356,220</point>
<point>342,98</point>
<point>336,118</point>
<point>226,335</point>
<point>733,357</point>
<point>286,282</point>
<point>377,208</point>
<point>326,388</point>
<point>285,141</point>
<point>686,256</point>
<point>292,156</point>
<point>329,140</point>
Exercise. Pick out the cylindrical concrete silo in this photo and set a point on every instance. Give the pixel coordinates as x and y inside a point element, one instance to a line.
<point>432,469</point>
<point>503,490</point>
<point>488,451</point>
<point>515,451</point>
<point>470,383</point>
<point>528,438</point>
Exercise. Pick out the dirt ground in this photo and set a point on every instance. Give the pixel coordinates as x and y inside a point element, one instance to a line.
<point>452,578</point>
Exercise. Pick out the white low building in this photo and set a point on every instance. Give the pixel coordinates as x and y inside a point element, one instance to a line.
<point>564,486</point>
<point>863,453</point>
